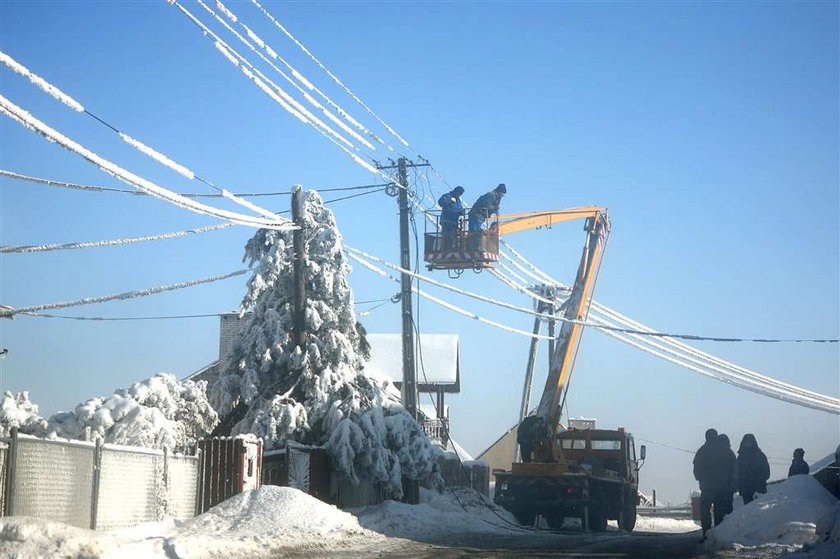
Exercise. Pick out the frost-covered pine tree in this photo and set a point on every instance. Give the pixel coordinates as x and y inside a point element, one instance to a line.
<point>317,394</point>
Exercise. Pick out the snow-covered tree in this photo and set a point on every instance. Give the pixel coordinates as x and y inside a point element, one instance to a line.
<point>157,412</point>
<point>17,411</point>
<point>317,394</point>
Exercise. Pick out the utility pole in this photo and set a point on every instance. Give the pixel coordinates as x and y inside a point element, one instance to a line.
<point>409,386</point>
<point>299,283</point>
<point>411,487</point>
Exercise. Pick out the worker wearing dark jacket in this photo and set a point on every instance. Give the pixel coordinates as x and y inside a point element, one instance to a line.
<point>799,465</point>
<point>452,209</point>
<point>486,205</point>
<point>703,459</point>
<point>723,501</point>
<point>753,469</point>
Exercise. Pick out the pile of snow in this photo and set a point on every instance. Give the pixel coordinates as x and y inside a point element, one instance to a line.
<point>456,511</point>
<point>157,412</point>
<point>317,394</point>
<point>662,525</point>
<point>275,510</point>
<point>269,522</point>
<point>787,517</point>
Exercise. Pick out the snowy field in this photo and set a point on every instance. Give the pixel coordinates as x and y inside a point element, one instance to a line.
<point>278,521</point>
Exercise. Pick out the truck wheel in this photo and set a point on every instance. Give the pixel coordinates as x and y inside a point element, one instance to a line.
<point>597,517</point>
<point>627,517</point>
<point>525,517</point>
<point>555,521</point>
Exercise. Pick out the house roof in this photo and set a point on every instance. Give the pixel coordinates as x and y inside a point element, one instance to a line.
<point>437,357</point>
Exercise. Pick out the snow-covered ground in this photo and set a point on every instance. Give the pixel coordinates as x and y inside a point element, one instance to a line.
<point>277,521</point>
<point>795,513</point>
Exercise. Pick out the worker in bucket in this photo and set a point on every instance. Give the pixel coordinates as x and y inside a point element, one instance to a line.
<point>799,466</point>
<point>452,210</point>
<point>486,205</point>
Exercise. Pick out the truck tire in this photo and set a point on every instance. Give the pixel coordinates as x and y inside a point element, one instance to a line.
<point>597,516</point>
<point>525,517</point>
<point>627,517</point>
<point>555,521</point>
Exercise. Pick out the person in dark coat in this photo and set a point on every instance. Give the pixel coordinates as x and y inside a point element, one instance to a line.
<point>703,460</point>
<point>729,473</point>
<point>753,469</point>
<point>799,466</point>
<point>452,209</point>
<point>486,205</point>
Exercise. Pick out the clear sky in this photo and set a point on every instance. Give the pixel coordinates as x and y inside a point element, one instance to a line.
<point>710,130</point>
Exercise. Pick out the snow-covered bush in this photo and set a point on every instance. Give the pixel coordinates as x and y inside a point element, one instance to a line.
<point>17,411</point>
<point>157,412</point>
<point>317,394</point>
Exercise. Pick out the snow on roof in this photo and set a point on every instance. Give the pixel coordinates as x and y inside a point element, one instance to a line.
<point>437,357</point>
<point>786,516</point>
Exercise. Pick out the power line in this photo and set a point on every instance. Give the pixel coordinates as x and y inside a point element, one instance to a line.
<point>141,147</point>
<point>329,73</point>
<point>9,312</point>
<point>118,318</point>
<point>26,120</point>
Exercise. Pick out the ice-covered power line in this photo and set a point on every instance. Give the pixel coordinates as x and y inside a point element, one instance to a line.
<point>329,73</point>
<point>640,332</point>
<point>41,83</point>
<point>706,364</point>
<point>28,121</point>
<point>276,93</point>
<point>370,266</point>
<point>119,318</point>
<point>136,144</point>
<point>22,249</point>
<point>263,46</point>
<point>8,312</point>
<point>93,188</point>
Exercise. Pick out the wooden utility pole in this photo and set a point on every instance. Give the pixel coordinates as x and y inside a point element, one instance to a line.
<point>299,282</point>
<point>409,385</point>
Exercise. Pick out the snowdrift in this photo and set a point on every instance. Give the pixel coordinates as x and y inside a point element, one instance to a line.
<point>269,522</point>
<point>786,517</point>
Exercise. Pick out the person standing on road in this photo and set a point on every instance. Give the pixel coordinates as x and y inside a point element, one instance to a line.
<point>799,466</point>
<point>753,469</point>
<point>702,473</point>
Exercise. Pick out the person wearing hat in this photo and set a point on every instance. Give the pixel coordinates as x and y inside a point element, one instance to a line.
<point>486,206</point>
<point>452,209</point>
<point>799,466</point>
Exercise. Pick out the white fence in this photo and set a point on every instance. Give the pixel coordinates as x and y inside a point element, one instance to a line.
<point>94,485</point>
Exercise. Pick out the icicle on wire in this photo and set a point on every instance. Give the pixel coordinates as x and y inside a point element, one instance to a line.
<point>26,120</point>
<point>6,312</point>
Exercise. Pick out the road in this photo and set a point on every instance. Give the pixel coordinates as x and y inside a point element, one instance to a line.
<point>608,545</point>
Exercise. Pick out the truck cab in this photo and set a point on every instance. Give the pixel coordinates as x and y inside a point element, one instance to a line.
<point>597,482</point>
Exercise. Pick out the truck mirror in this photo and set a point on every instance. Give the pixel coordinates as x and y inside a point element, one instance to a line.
<point>642,452</point>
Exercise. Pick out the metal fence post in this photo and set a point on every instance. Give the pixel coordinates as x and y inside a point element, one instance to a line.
<point>11,471</point>
<point>97,474</point>
<point>167,497</point>
<point>199,477</point>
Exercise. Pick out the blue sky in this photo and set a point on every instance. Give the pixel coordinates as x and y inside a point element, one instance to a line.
<point>710,130</point>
